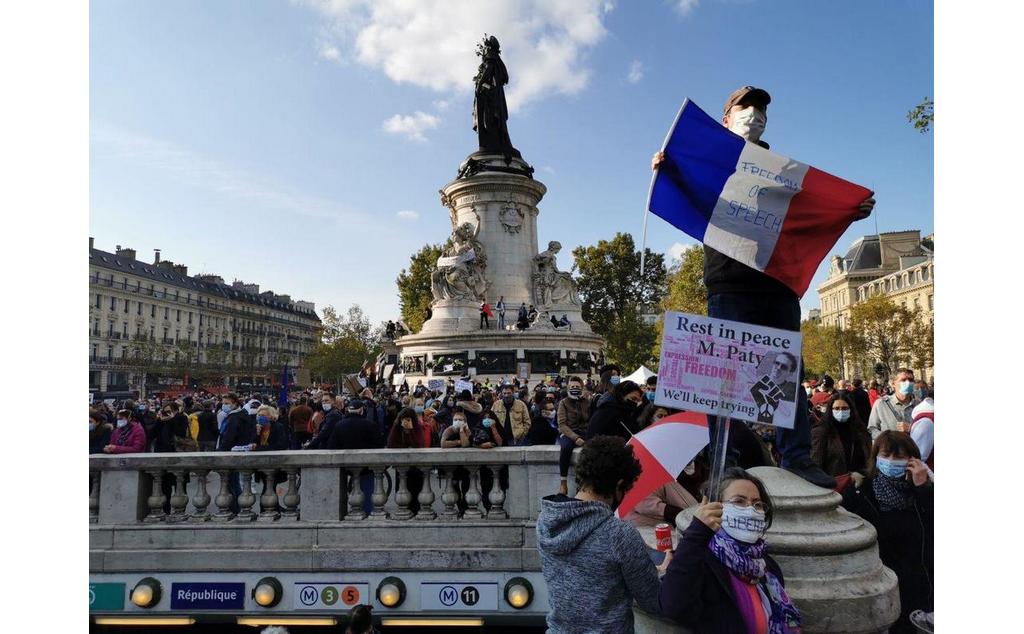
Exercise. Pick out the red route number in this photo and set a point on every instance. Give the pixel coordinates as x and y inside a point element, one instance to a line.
<point>350,595</point>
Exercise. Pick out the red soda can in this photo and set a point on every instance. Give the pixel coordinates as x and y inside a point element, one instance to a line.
<point>663,535</point>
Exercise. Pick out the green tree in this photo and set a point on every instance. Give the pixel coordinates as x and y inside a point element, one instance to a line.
<point>414,294</point>
<point>923,115</point>
<point>885,333</point>
<point>922,352</point>
<point>145,355</point>
<point>346,343</point>
<point>615,296</point>
<point>823,348</point>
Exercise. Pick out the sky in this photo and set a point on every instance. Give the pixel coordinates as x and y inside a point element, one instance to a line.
<point>301,144</point>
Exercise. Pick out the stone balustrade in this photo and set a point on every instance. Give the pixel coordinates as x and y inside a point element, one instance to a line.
<point>318,486</point>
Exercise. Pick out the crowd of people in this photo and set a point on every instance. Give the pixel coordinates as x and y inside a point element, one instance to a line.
<point>875,441</point>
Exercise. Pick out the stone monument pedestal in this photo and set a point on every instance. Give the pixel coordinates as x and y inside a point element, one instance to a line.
<point>492,206</point>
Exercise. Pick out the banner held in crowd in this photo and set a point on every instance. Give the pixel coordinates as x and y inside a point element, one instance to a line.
<point>729,368</point>
<point>760,208</point>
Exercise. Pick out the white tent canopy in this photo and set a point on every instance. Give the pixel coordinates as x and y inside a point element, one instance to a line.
<point>640,376</point>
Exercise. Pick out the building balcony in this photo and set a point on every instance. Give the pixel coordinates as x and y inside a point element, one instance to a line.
<point>168,341</point>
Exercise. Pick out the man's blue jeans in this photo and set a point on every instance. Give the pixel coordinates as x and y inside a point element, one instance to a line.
<point>774,311</point>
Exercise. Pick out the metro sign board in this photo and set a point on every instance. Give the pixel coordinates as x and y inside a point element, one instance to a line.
<point>458,596</point>
<point>320,595</point>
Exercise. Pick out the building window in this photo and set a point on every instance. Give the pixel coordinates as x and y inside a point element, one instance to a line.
<point>167,313</point>
<point>917,303</point>
<point>177,316</point>
<point>165,335</point>
<point>152,332</point>
<point>152,311</point>
<point>138,310</point>
<point>110,353</point>
<point>99,298</point>
<point>177,335</point>
<point>126,307</point>
<point>124,330</point>
<point>95,350</point>
<point>190,318</point>
<point>113,302</point>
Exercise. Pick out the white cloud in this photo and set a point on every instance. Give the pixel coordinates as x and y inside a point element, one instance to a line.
<point>548,169</point>
<point>685,7</point>
<point>677,249</point>
<point>201,172</point>
<point>408,214</point>
<point>442,104</point>
<point>636,72</point>
<point>412,126</point>
<point>431,43</point>
<point>330,52</point>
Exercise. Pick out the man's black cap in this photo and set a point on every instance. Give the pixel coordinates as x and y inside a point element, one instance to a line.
<point>748,96</point>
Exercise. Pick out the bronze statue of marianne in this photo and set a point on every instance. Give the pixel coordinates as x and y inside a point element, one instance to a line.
<point>490,112</point>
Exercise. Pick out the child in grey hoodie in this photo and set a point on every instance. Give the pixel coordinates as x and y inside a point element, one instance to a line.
<point>595,564</point>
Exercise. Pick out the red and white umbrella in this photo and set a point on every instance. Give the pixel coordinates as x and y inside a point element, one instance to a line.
<point>664,449</point>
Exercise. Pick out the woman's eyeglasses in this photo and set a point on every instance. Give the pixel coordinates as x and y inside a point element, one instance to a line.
<point>744,502</point>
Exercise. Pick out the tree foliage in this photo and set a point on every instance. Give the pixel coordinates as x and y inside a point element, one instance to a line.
<point>686,292</point>
<point>615,296</point>
<point>346,343</point>
<point>883,333</point>
<point>824,348</point>
<point>414,295</point>
<point>923,115</point>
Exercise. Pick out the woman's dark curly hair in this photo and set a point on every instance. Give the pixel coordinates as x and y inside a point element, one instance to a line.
<point>603,461</point>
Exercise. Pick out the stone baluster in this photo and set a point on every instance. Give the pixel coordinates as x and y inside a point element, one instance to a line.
<point>426,499</point>
<point>179,498</point>
<point>450,496</point>
<point>156,497</point>
<point>403,498</point>
<point>246,499</point>
<point>473,497</point>
<point>268,501</point>
<point>225,498</point>
<point>291,496</point>
<point>94,496</point>
<point>201,498</point>
<point>497,497</point>
<point>379,496</point>
<point>355,497</point>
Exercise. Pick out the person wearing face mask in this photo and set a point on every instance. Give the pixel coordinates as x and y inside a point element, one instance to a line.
<point>595,565</point>
<point>895,411</point>
<point>741,293</point>
<point>99,432</point>
<point>897,498</point>
<point>616,413</point>
<point>271,433</point>
<point>513,417</point>
<point>722,579</point>
<point>332,416</point>
<point>234,430</point>
<point>573,415</point>
<point>544,426</point>
<point>840,444</point>
<point>128,436</point>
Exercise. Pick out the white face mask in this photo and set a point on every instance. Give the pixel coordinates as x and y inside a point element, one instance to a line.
<point>327,407</point>
<point>459,424</point>
<point>748,123</point>
<point>121,422</point>
<point>841,415</point>
<point>743,523</point>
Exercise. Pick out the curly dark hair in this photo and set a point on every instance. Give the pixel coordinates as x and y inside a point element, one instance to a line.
<point>603,462</point>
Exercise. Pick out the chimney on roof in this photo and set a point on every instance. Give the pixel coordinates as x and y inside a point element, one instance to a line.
<point>156,256</point>
<point>126,252</point>
<point>180,269</point>
<point>91,240</point>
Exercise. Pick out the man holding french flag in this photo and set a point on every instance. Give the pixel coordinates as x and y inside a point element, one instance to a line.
<point>766,222</point>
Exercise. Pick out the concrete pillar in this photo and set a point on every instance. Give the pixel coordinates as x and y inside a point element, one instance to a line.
<point>322,494</point>
<point>123,497</point>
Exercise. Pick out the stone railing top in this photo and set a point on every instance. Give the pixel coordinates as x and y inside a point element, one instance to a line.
<point>340,458</point>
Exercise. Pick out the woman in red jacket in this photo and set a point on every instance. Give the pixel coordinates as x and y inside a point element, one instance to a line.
<point>128,436</point>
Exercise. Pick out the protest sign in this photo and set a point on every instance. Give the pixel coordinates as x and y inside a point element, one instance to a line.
<point>523,371</point>
<point>398,379</point>
<point>437,385</point>
<point>729,368</point>
<point>462,384</point>
<point>92,397</point>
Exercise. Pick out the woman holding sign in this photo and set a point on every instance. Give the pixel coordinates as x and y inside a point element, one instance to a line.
<point>722,580</point>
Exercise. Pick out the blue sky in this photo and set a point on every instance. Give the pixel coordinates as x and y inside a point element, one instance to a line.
<point>301,144</point>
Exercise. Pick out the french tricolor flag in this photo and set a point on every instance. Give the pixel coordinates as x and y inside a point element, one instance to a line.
<point>763,209</point>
